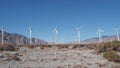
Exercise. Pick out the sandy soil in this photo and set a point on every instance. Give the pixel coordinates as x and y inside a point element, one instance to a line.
<point>56,58</point>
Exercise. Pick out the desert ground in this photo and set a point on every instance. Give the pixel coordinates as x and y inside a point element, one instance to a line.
<point>55,57</point>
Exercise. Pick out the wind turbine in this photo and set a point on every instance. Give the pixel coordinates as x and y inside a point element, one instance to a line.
<point>99,34</point>
<point>78,35</point>
<point>30,29</point>
<point>56,36</point>
<point>36,41</point>
<point>62,40</point>
<point>3,29</point>
<point>117,32</point>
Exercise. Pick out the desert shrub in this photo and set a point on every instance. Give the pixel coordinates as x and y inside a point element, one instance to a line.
<point>8,48</point>
<point>100,47</point>
<point>111,56</point>
<point>63,46</point>
<point>91,46</point>
<point>118,49</point>
<point>41,47</point>
<point>59,67</point>
<point>47,45</point>
<point>13,57</point>
<point>31,46</point>
<point>75,46</point>
<point>115,45</point>
<point>103,47</point>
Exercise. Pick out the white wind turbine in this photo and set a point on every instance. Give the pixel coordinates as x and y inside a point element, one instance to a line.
<point>3,29</point>
<point>78,35</point>
<point>56,36</point>
<point>36,41</point>
<point>99,34</point>
<point>30,29</point>
<point>117,32</point>
<point>62,40</point>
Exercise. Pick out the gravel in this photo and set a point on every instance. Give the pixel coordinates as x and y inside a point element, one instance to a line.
<point>56,58</point>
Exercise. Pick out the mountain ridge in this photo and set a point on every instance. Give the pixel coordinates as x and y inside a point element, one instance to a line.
<point>95,40</point>
<point>18,39</point>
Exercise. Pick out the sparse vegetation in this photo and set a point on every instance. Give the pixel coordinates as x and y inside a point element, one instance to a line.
<point>111,56</point>
<point>59,67</point>
<point>41,47</point>
<point>63,46</point>
<point>103,47</point>
<point>14,57</point>
<point>54,59</point>
<point>109,50</point>
<point>31,46</point>
<point>75,46</point>
<point>47,45</point>
<point>100,47</point>
<point>8,48</point>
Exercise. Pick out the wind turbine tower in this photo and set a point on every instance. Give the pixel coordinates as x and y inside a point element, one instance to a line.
<point>2,35</point>
<point>56,36</point>
<point>30,28</point>
<point>78,35</point>
<point>99,34</point>
<point>117,32</point>
<point>36,41</point>
<point>62,40</point>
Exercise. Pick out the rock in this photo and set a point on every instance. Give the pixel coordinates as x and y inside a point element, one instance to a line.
<point>70,47</point>
<point>6,59</point>
<point>55,53</point>
<point>1,56</point>
<point>23,60</point>
<point>37,48</point>
<point>15,53</point>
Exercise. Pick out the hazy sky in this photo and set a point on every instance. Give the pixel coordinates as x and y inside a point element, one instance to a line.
<point>45,15</point>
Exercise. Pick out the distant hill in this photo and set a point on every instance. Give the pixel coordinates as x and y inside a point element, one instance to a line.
<point>19,39</point>
<point>96,40</point>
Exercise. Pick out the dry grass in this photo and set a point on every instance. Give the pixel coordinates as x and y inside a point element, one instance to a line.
<point>47,45</point>
<point>77,66</point>
<point>75,46</point>
<point>109,50</point>
<point>63,46</point>
<point>103,47</point>
<point>60,67</point>
<point>54,59</point>
<point>8,48</point>
<point>13,57</point>
<point>111,56</point>
<point>31,46</point>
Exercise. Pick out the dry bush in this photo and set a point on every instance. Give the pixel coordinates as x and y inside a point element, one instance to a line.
<point>59,67</point>
<point>20,45</point>
<point>90,46</point>
<point>41,47</point>
<point>78,66</point>
<point>100,48</point>
<point>8,48</point>
<point>13,57</point>
<point>111,56</point>
<point>63,46</point>
<point>31,46</point>
<point>54,59</point>
<point>47,45</point>
<point>109,50</point>
<point>103,47</point>
<point>75,46</point>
